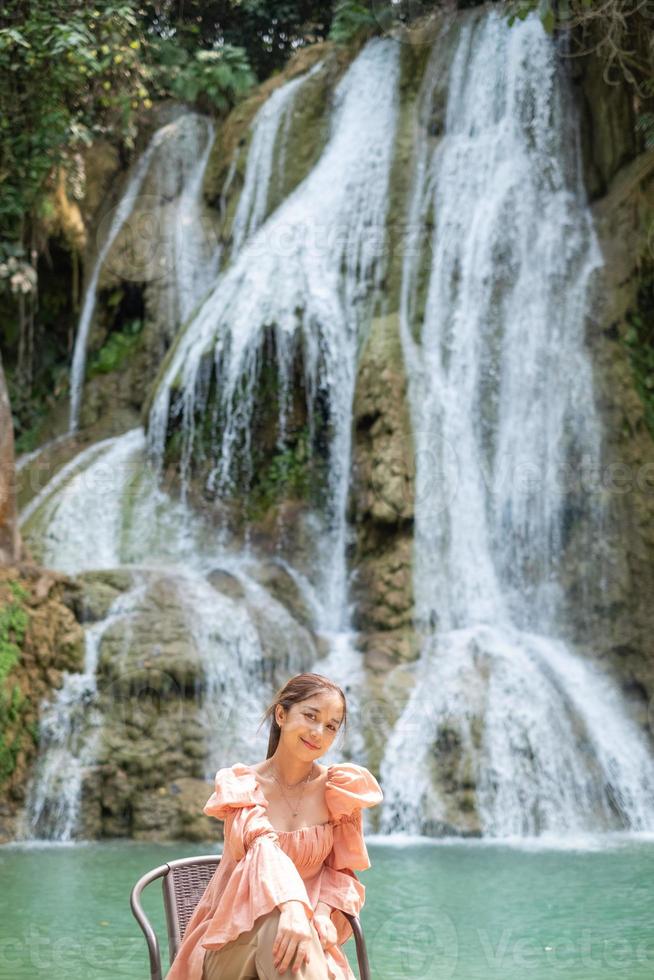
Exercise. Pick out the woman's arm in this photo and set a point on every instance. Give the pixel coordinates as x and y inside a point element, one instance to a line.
<point>326,929</point>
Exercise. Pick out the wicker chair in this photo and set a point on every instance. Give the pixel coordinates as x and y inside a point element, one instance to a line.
<point>184,883</point>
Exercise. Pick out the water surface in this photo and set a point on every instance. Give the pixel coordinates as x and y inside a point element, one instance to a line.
<point>469,911</point>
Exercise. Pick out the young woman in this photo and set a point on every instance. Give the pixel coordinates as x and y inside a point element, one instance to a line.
<point>293,840</point>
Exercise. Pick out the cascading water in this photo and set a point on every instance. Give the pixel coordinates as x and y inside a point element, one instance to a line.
<point>69,735</point>
<point>311,274</point>
<point>140,529</point>
<point>179,150</point>
<point>187,253</point>
<point>269,132</point>
<point>525,733</point>
<point>501,397</point>
<point>111,488</point>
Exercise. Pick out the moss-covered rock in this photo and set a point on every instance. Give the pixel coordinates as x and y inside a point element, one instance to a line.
<point>39,639</point>
<point>381,501</point>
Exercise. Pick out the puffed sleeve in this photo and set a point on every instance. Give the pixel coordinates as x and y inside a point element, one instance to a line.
<point>264,875</point>
<point>349,789</point>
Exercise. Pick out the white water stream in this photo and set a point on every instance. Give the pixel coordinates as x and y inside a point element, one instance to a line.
<point>502,403</point>
<point>178,246</point>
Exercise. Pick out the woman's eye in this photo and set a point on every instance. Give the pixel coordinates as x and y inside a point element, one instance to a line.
<point>309,714</point>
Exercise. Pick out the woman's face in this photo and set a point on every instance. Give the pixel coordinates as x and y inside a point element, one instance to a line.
<point>309,727</point>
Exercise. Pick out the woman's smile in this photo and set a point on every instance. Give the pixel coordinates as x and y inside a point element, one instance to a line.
<point>309,744</point>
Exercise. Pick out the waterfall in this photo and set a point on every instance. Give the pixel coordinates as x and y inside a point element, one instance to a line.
<point>507,730</point>
<point>105,510</point>
<point>87,493</point>
<point>177,247</point>
<point>70,729</point>
<point>311,274</point>
<point>309,268</point>
<point>187,253</point>
<point>269,131</point>
<point>502,404</point>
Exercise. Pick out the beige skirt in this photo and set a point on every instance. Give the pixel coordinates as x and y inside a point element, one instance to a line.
<point>250,956</point>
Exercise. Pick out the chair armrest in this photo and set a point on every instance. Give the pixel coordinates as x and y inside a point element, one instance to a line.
<point>360,942</point>
<point>144,922</point>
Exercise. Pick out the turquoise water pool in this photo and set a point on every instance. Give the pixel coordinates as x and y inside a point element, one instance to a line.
<point>463,910</point>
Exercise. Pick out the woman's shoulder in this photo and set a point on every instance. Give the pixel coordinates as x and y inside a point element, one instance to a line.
<point>350,787</point>
<point>234,787</point>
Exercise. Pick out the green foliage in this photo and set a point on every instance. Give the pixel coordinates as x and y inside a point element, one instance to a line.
<point>11,709</point>
<point>115,352</point>
<point>269,30</point>
<point>14,621</point>
<point>221,75</point>
<point>30,409</point>
<point>68,71</point>
<point>287,474</point>
<point>522,9</point>
<point>13,624</point>
<point>17,589</point>
<point>71,71</point>
<point>350,18</point>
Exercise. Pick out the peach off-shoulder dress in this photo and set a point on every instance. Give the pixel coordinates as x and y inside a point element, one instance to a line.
<point>261,867</point>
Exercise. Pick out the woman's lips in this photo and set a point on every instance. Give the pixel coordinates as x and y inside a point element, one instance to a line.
<point>308,744</point>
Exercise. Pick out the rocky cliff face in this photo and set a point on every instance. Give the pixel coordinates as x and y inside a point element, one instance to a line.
<point>619,176</point>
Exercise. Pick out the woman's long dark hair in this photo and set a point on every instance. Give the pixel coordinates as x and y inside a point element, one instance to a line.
<point>298,688</point>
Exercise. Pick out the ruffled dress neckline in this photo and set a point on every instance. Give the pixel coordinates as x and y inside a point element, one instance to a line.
<point>298,830</point>
<point>287,833</point>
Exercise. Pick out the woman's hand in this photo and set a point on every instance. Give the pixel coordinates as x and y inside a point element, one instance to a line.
<point>293,937</point>
<point>325,929</point>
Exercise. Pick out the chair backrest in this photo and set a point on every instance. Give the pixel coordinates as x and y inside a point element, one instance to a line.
<point>183,887</point>
<point>184,882</point>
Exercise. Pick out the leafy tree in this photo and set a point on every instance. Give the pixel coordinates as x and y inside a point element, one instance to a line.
<point>216,77</point>
<point>268,30</point>
<point>68,72</point>
<point>72,71</point>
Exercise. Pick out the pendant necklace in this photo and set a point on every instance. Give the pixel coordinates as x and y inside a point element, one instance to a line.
<point>281,786</point>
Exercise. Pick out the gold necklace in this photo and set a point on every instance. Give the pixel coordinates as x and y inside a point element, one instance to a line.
<point>279,783</point>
